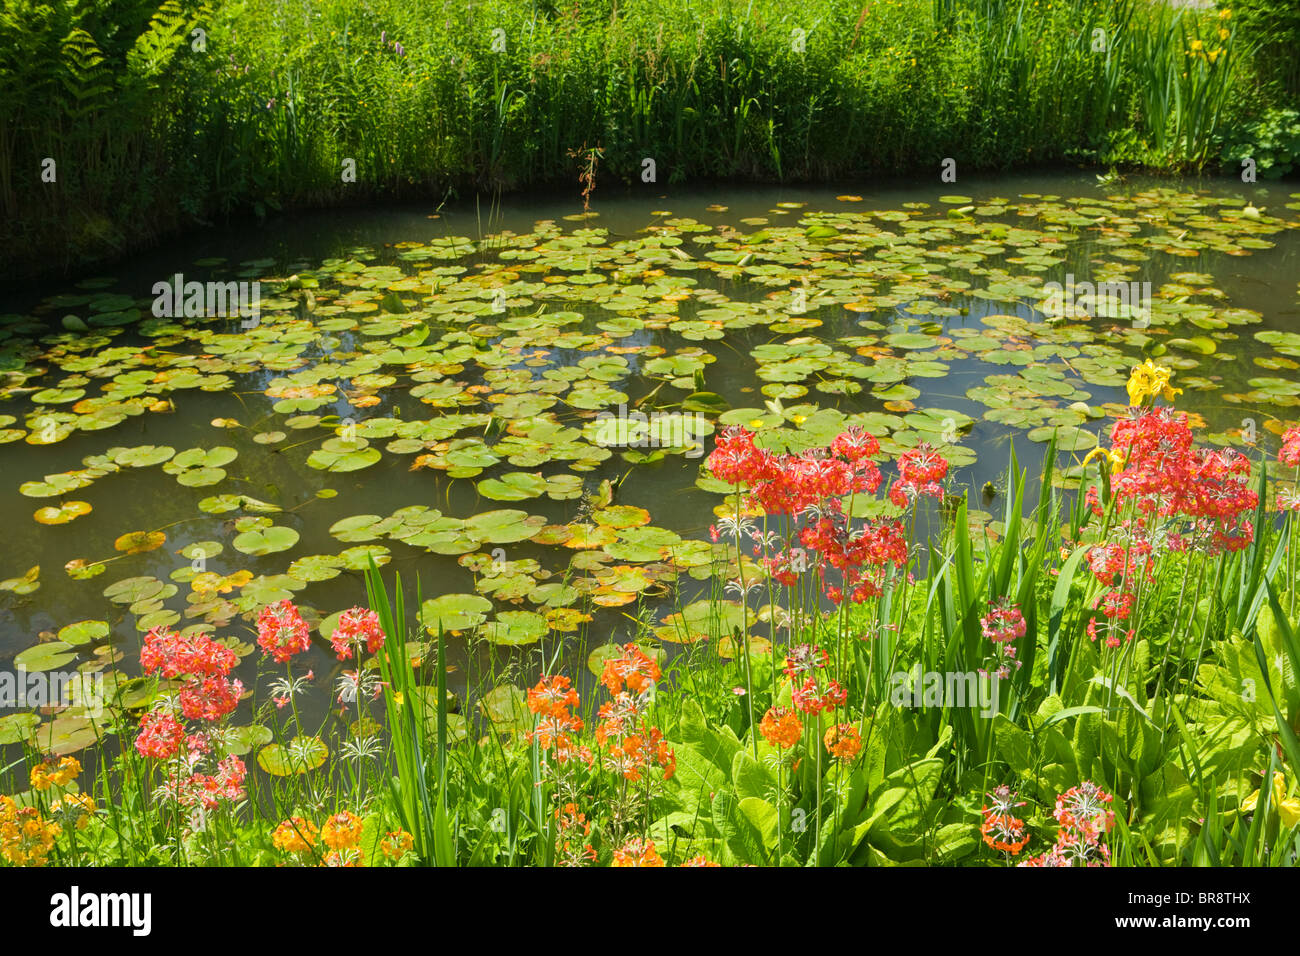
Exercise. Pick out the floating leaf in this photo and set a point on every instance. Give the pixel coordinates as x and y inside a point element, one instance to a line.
<point>64,513</point>
<point>83,632</point>
<point>45,657</point>
<point>138,542</point>
<point>300,755</point>
<point>455,612</point>
<point>515,628</point>
<point>265,540</point>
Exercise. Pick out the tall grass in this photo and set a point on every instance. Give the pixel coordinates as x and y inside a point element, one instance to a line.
<point>150,133</point>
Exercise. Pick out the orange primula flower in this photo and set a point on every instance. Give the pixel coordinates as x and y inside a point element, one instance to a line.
<point>635,670</point>
<point>781,727</point>
<point>552,696</point>
<point>51,774</point>
<point>397,843</point>
<point>295,835</point>
<point>843,742</point>
<point>638,853</point>
<point>342,831</point>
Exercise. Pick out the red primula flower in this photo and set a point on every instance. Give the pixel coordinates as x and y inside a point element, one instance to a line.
<point>173,656</point>
<point>281,631</point>
<point>356,627</point>
<point>161,736</point>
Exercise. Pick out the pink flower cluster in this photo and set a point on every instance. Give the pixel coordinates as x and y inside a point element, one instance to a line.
<point>1085,817</point>
<point>1003,625</point>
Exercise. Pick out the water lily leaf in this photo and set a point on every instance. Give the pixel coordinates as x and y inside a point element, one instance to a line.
<point>83,632</point>
<point>455,612</point>
<point>621,516</point>
<point>343,461</point>
<point>64,513</point>
<point>266,540</point>
<point>45,657</point>
<point>503,527</point>
<point>220,504</point>
<point>315,567</point>
<point>138,542</point>
<point>69,734</point>
<point>141,456</point>
<point>300,755</point>
<point>516,628</point>
<point>241,740</point>
<point>507,708</point>
<point>702,620</point>
<point>26,584</point>
<point>514,486</point>
<point>359,558</point>
<point>1068,438</point>
<point>133,590</point>
<point>15,728</point>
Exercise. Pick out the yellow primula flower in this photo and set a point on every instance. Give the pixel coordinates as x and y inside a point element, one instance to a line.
<point>1288,808</point>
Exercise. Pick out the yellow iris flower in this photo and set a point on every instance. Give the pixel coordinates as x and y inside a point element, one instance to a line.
<point>1150,380</point>
<point>1288,808</point>
<point>1115,458</point>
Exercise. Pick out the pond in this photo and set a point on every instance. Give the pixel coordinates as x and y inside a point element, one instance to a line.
<point>456,394</point>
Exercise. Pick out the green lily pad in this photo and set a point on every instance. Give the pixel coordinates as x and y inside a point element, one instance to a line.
<point>300,755</point>
<point>455,612</point>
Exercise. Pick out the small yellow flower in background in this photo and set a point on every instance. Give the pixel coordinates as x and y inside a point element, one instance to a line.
<point>1196,45</point>
<point>49,774</point>
<point>1288,808</point>
<point>1150,380</point>
<point>75,809</point>
<point>396,843</point>
<point>756,423</point>
<point>1225,14</point>
<point>1223,33</point>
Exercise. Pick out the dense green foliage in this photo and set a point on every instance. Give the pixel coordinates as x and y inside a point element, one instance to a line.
<point>153,126</point>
